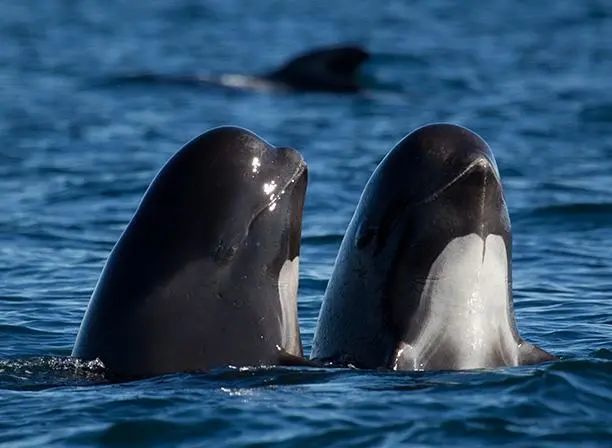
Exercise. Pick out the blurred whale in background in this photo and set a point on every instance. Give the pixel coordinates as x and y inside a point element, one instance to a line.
<point>423,279</point>
<point>326,69</point>
<point>206,273</point>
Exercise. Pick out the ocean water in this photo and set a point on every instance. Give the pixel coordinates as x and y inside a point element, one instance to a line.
<point>78,150</point>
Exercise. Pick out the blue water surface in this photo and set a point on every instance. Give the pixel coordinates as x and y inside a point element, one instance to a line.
<point>78,150</point>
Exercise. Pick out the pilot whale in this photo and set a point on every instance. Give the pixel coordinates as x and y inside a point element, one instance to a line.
<point>327,69</point>
<point>206,273</point>
<point>423,278</point>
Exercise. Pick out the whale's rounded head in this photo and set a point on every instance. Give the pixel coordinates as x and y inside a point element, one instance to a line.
<point>423,277</point>
<point>205,274</point>
<point>440,175</point>
<point>219,185</point>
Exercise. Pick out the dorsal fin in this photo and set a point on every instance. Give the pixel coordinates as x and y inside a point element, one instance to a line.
<point>329,68</point>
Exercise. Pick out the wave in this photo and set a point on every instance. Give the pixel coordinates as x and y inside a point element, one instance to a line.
<point>44,372</point>
<point>574,209</point>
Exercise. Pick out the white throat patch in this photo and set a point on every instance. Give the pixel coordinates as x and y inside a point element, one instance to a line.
<point>288,280</point>
<point>464,307</point>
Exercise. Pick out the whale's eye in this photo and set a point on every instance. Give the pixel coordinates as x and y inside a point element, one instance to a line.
<point>225,251</point>
<point>365,234</point>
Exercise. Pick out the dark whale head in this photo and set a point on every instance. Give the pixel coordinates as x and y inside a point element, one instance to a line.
<point>441,179</point>
<point>428,255</point>
<point>205,274</point>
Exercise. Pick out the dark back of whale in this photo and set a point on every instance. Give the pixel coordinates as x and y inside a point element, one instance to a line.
<point>327,69</point>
